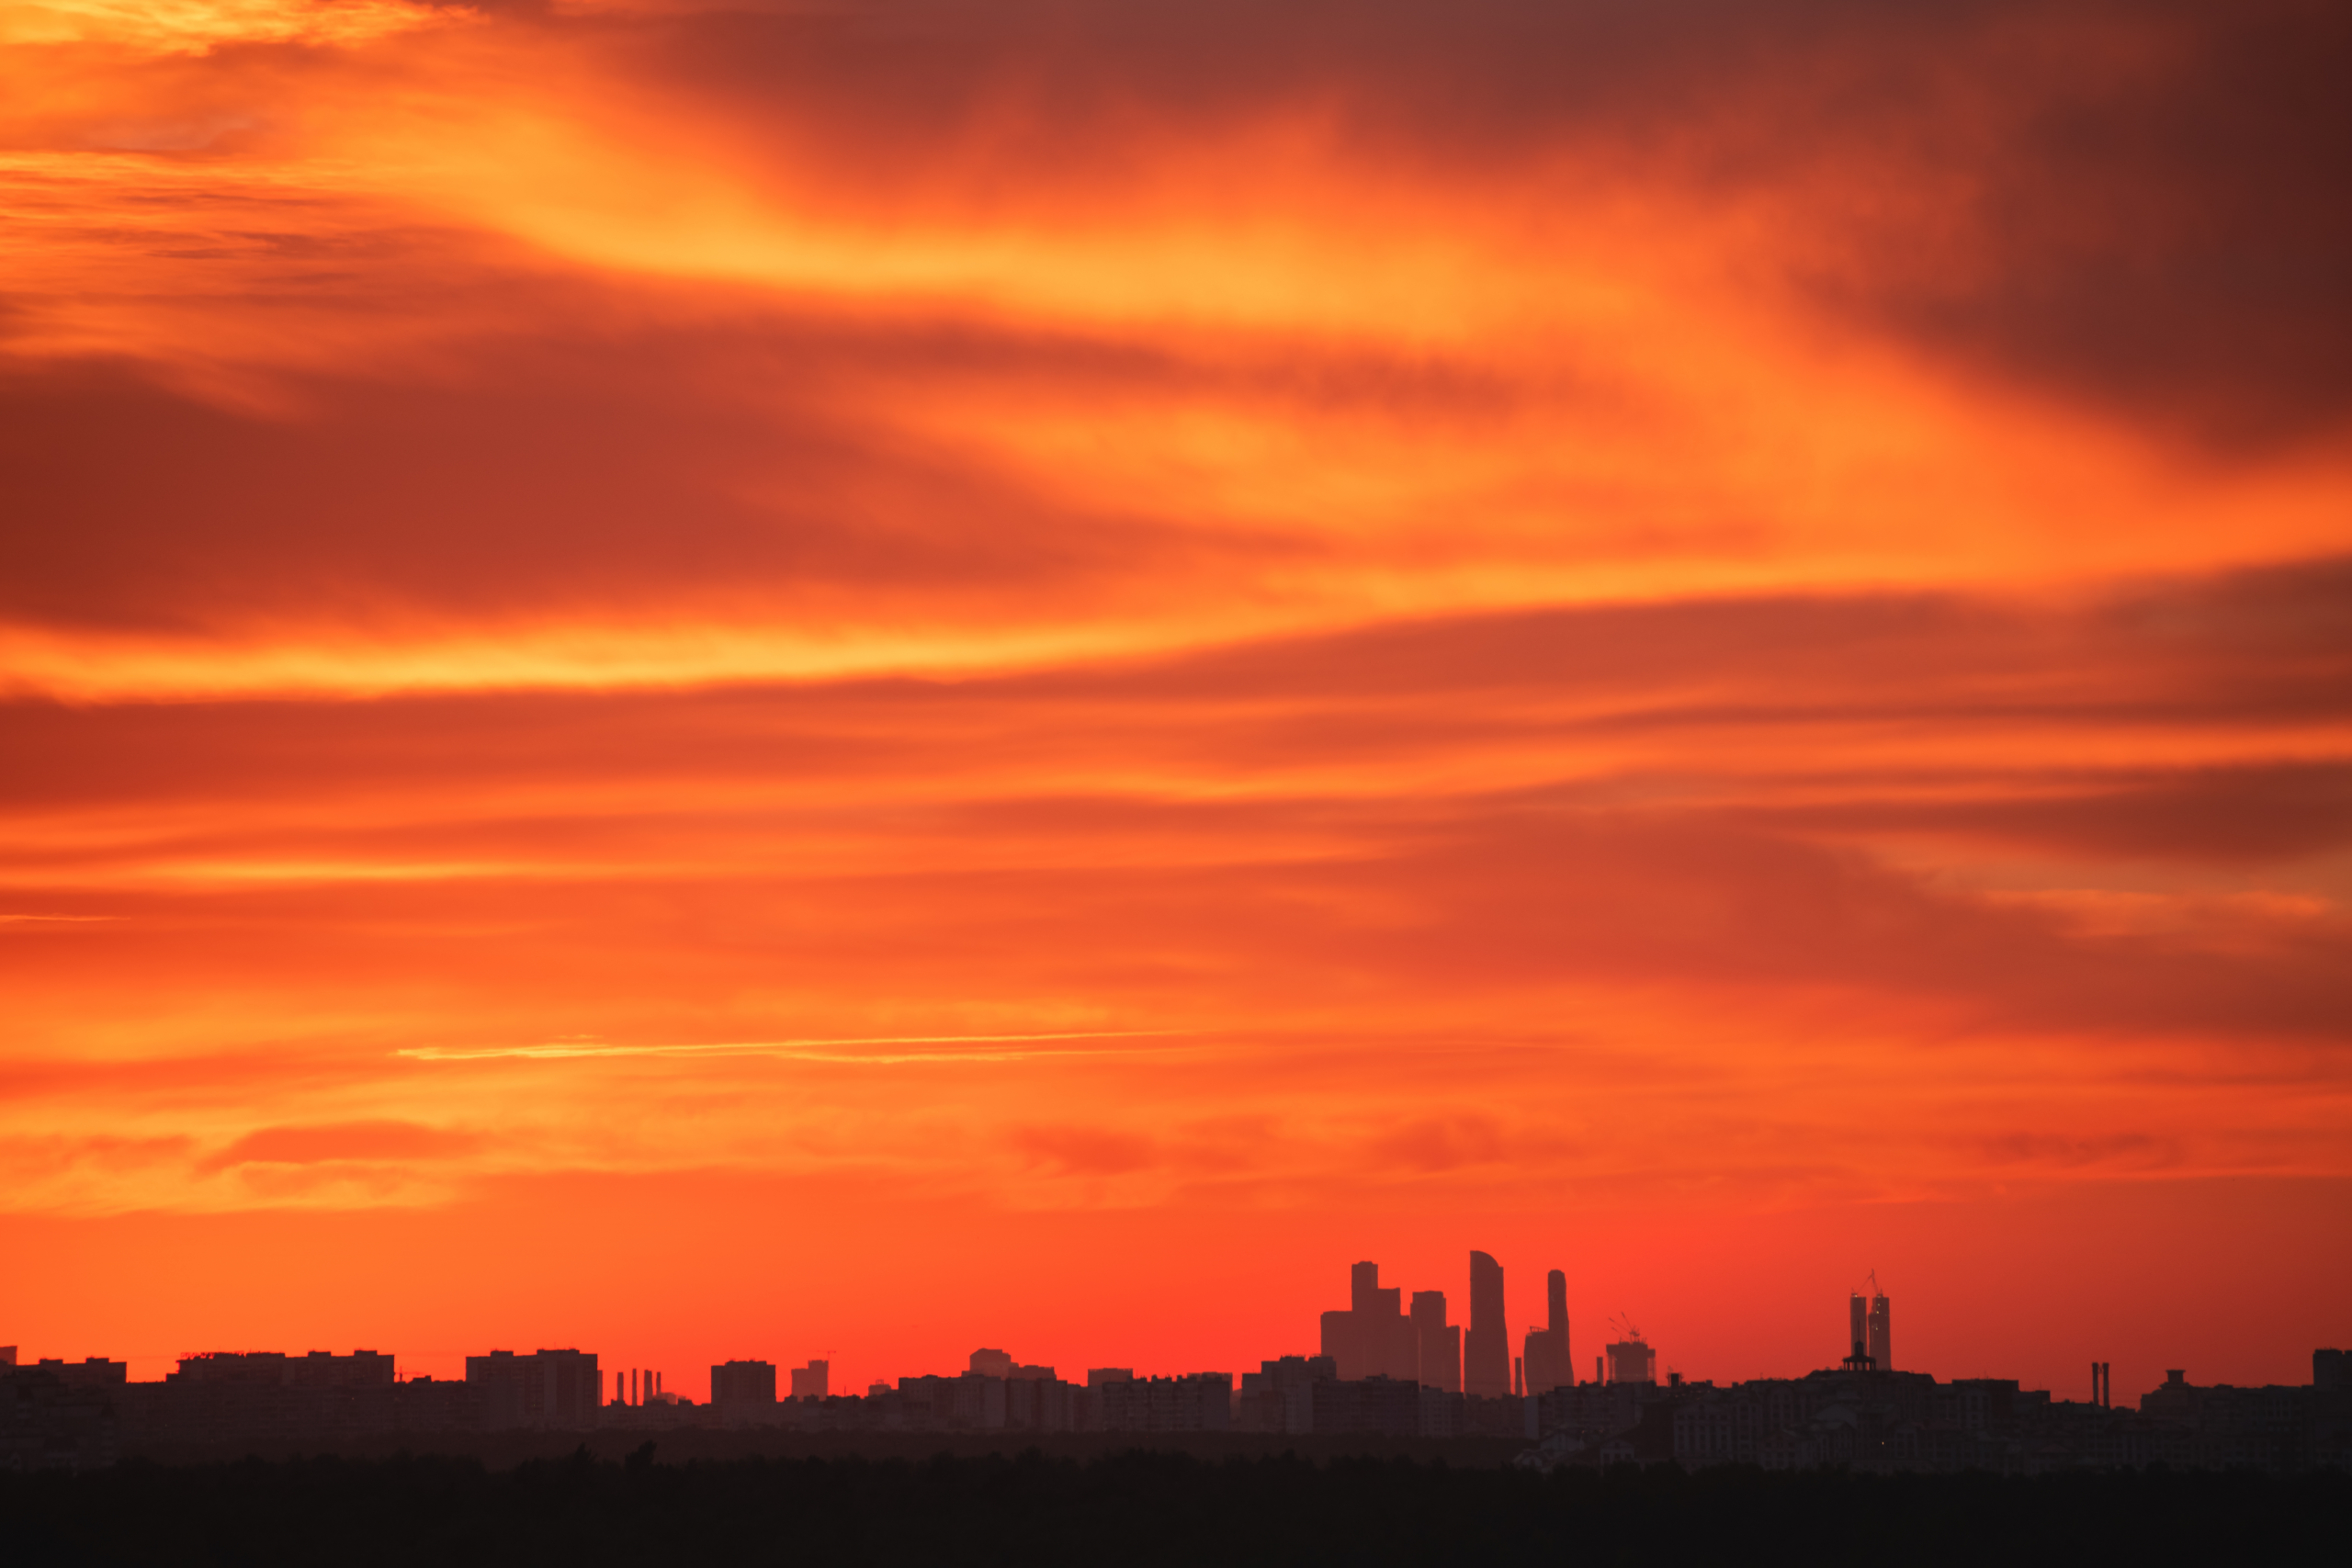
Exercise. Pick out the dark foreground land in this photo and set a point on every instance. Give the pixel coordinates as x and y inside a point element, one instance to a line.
<point>1140,1508</point>
<point>686,1445</point>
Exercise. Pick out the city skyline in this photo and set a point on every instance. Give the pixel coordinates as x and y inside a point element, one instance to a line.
<point>1415,1349</point>
<point>1377,1374</point>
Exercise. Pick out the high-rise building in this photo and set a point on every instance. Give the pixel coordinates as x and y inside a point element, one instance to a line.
<point>992,1363</point>
<point>1438,1343</point>
<point>743,1392</point>
<point>546,1388</point>
<point>813,1380</point>
<point>1880,1335</point>
<point>1547,1360</point>
<point>1486,1349</point>
<point>1372,1336</point>
<point>1858,1325</point>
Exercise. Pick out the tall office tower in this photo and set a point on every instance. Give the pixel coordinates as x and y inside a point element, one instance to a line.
<point>1437,1342</point>
<point>1339,1342</point>
<point>1881,1330</point>
<point>1384,1334</point>
<point>1400,1348</point>
<point>1346,1332</point>
<point>1548,1366</point>
<point>1373,1337</point>
<point>1486,1349</point>
<point>1857,1322</point>
<point>813,1380</point>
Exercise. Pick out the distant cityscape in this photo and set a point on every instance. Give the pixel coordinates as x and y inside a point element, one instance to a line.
<point>1382,1369</point>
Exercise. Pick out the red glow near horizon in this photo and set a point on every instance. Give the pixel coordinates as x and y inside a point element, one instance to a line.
<point>743,682</point>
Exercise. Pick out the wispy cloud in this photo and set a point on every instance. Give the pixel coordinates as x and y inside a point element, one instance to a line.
<point>798,1049</point>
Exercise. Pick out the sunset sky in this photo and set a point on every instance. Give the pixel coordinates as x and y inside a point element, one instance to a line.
<point>865,677</point>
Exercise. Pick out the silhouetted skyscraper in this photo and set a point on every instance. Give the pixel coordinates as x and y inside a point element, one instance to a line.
<point>1373,1337</point>
<point>1486,1349</point>
<point>1857,1322</point>
<point>1881,1329</point>
<point>1438,1342</point>
<point>1547,1363</point>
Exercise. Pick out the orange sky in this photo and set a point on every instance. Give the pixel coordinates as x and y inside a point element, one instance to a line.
<point>782,680</point>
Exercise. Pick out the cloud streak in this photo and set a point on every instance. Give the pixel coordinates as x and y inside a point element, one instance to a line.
<point>788,1050</point>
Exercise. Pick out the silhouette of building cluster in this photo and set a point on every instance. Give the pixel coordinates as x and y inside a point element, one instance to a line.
<point>1380,1371</point>
<point>1867,1420</point>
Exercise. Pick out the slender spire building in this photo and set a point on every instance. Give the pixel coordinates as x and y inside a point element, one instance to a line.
<point>1485,1350</point>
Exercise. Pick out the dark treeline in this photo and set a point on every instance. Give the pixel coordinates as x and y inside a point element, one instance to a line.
<point>1139,1508</point>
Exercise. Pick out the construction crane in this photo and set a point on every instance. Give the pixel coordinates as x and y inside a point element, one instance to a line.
<point>1625,1326</point>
